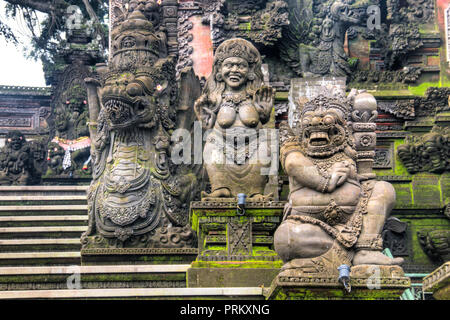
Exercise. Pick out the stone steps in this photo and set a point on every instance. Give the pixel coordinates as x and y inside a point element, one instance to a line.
<point>43,221</point>
<point>26,210</point>
<point>140,293</point>
<point>34,245</point>
<point>40,258</point>
<point>42,200</point>
<point>92,277</point>
<point>42,225</point>
<point>42,232</point>
<point>43,190</point>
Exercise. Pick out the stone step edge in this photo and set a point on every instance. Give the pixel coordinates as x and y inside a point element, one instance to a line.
<point>43,218</point>
<point>39,255</point>
<point>104,269</point>
<point>43,229</point>
<point>42,198</point>
<point>18,242</point>
<point>43,188</point>
<point>133,292</point>
<point>44,208</point>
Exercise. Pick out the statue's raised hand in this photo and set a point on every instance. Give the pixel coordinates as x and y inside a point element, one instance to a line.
<point>203,113</point>
<point>339,174</point>
<point>263,101</point>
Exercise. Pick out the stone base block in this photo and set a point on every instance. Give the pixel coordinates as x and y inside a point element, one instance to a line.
<point>230,277</point>
<point>369,282</point>
<point>129,256</point>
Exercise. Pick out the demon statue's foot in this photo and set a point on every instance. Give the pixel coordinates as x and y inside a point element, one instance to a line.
<point>260,197</point>
<point>306,265</point>
<point>219,193</point>
<point>375,257</point>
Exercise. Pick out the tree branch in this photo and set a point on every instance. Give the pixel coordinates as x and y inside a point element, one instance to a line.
<point>48,6</point>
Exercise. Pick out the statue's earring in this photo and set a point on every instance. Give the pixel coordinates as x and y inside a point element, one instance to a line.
<point>219,77</point>
<point>251,76</point>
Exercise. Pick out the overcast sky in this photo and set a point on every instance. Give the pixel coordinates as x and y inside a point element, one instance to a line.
<point>15,69</point>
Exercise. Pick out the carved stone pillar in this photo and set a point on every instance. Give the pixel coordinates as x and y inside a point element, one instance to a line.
<point>170,21</point>
<point>364,126</point>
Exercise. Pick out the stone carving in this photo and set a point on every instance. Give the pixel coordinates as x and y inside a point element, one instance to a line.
<point>138,198</point>
<point>336,210</point>
<point>403,109</point>
<point>395,236</point>
<point>21,162</point>
<point>436,244</point>
<point>260,21</point>
<point>418,11</point>
<point>434,101</point>
<point>72,133</point>
<point>383,158</point>
<point>314,46</point>
<point>367,77</point>
<point>235,105</point>
<point>427,153</point>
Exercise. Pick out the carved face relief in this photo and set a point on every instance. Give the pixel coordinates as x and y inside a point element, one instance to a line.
<point>16,142</point>
<point>323,132</point>
<point>128,100</point>
<point>327,29</point>
<point>234,71</point>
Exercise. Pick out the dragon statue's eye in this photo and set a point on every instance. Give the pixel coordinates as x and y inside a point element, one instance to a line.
<point>134,89</point>
<point>328,120</point>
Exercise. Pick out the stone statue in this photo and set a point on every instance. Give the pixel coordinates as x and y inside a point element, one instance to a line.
<point>72,134</point>
<point>21,161</point>
<point>314,46</point>
<point>138,198</point>
<point>235,105</point>
<point>335,214</point>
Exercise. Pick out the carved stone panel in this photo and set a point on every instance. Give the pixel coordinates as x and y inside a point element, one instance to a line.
<point>383,157</point>
<point>395,237</point>
<point>239,236</point>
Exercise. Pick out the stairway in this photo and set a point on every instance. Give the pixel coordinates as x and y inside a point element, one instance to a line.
<point>41,225</point>
<point>40,229</point>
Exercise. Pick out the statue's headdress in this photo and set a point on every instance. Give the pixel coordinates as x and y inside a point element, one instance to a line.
<point>237,48</point>
<point>324,102</point>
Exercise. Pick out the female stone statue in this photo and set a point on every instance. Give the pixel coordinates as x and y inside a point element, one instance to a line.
<point>235,105</point>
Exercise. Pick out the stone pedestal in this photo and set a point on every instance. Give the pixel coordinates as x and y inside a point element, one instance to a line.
<point>438,282</point>
<point>114,256</point>
<point>235,250</point>
<point>368,282</point>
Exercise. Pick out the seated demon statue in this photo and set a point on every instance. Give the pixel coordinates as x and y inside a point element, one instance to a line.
<point>334,215</point>
<point>20,160</point>
<point>138,198</point>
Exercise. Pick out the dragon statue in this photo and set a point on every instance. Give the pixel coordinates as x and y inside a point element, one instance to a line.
<point>138,198</point>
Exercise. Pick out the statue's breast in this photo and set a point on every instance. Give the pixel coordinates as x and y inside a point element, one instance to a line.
<point>248,115</point>
<point>226,116</point>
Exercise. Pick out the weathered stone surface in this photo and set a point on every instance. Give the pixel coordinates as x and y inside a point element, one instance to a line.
<point>386,284</point>
<point>230,277</point>
<point>236,105</point>
<point>234,248</point>
<point>139,197</point>
<point>438,282</point>
<point>336,210</point>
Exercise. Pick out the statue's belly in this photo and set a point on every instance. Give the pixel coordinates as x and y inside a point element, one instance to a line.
<point>346,195</point>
